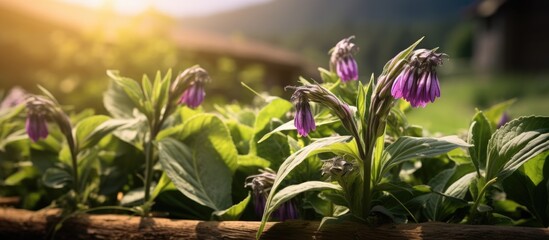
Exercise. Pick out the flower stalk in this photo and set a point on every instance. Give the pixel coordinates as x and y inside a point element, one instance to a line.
<point>39,110</point>
<point>187,89</point>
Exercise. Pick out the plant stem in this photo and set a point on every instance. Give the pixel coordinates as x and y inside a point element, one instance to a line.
<point>149,162</point>
<point>473,212</point>
<point>75,173</point>
<point>74,161</point>
<point>148,168</point>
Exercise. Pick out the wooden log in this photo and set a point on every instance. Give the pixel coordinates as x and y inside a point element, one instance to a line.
<point>9,201</point>
<point>23,224</point>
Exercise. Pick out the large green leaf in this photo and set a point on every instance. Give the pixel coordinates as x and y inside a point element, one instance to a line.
<point>130,87</point>
<point>449,188</point>
<point>101,131</point>
<point>277,108</point>
<point>529,186</point>
<point>408,148</point>
<point>291,191</point>
<point>209,138</point>
<point>117,102</point>
<point>292,162</point>
<point>514,144</point>
<point>341,149</point>
<point>202,179</point>
<point>268,118</point>
<point>91,130</point>
<point>133,130</point>
<point>479,135</point>
<point>86,126</point>
<point>234,212</point>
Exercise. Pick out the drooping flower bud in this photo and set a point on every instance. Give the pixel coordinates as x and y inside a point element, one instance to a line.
<point>343,61</point>
<point>316,93</point>
<point>36,123</point>
<point>188,87</point>
<point>39,110</point>
<point>261,185</point>
<point>418,82</point>
<point>304,120</point>
<point>193,96</point>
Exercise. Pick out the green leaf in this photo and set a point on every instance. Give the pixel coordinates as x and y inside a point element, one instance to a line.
<point>448,191</point>
<point>277,108</point>
<point>361,100</point>
<point>22,174</point>
<point>408,148</point>
<point>209,138</point>
<point>234,212</point>
<point>292,162</point>
<point>101,131</point>
<point>369,90</point>
<point>479,135</point>
<point>252,161</point>
<point>514,144</point>
<point>291,126</point>
<point>341,149</point>
<point>117,102</point>
<point>529,186</point>
<point>48,94</point>
<point>203,179</point>
<point>56,178</point>
<point>403,55</point>
<point>147,87</point>
<point>133,130</point>
<point>13,137</point>
<point>291,191</point>
<point>91,130</point>
<point>130,87</point>
<point>134,197</point>
<point>9,113</point>
<point>163,182</point>
<point>161,89</point>
<point>86,126</point>
<point>274,110</point>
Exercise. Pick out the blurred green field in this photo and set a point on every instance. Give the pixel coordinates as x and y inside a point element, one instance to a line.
<point>461,94</point>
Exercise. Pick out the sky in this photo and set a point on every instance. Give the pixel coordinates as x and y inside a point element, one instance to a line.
<point>176,8</point>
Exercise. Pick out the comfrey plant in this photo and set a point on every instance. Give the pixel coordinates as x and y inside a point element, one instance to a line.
<point>359,174</point>
<point>155,103</point>
<point>80,142</point>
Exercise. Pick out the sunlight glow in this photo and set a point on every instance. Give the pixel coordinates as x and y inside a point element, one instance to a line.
<point>176,8</point>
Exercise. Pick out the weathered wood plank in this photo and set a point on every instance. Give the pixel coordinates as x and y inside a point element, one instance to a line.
<point>24,224</point>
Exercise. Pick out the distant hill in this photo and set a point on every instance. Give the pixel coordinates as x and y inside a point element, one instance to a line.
<point>311,27</point>
<point>288,16</point>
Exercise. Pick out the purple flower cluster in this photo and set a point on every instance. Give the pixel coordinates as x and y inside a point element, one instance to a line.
<point>343,61</point>
<point>261,186</point>
<point>418,82</point>
<point>304,120</point>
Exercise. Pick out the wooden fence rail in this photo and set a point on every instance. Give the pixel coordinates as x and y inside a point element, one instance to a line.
<point>24,224</point>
